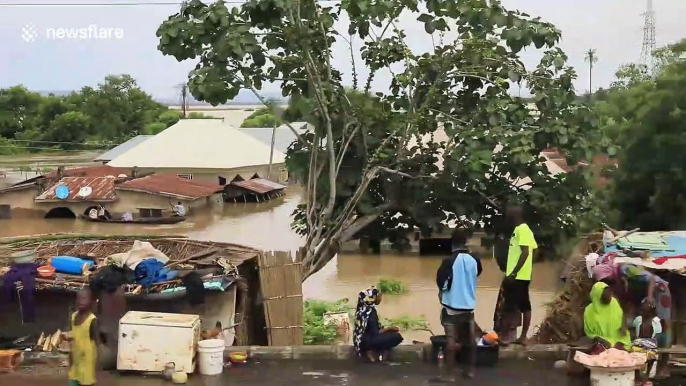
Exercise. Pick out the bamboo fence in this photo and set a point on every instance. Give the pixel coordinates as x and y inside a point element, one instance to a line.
<point>281,284</point>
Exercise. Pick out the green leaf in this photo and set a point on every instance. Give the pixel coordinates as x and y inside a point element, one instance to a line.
<point>514,77</point>
<point>430,26</point>
<point>559,62</point>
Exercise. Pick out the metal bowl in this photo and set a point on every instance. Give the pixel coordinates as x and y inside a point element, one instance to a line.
<point>24,257</point>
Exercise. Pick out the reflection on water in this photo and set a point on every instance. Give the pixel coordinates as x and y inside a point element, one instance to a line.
<point>267,226</point>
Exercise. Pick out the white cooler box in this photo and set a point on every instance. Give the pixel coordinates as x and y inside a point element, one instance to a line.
<point>150,340</point>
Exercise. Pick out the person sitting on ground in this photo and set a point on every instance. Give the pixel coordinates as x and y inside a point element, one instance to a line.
<point>456,281</point>
<point>604,321</point>
<point>370,338</point>
<point>179,210</point>
<point>84,340</point>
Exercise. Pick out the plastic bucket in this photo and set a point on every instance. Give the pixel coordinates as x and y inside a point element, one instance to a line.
<point>211,356</point>
<point>601,377</point>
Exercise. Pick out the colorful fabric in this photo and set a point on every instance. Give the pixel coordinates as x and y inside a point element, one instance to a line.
<point>603,271</point>
<point>639,278</point>
<point>605,320</point>
<point>366,304</point>
<point>500,317</point>
<point>83,352</point>
<point>644,345</point>
<point>521,237</point>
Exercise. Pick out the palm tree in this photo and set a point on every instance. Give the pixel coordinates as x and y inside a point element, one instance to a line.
<point>591,58</point>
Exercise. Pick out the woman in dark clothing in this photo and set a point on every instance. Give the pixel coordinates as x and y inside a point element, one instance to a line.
<point>370,338</point>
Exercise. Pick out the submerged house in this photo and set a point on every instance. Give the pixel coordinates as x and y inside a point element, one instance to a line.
<point>80,190</point>
<point>206,150</point>
<point>121,149</point>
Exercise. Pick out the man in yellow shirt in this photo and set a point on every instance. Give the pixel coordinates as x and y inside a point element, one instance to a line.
<point>518,272</point>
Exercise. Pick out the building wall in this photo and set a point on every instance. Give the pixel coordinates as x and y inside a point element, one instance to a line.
<point>278,173</point>
<point>127,201</point>
<point>20,200</point>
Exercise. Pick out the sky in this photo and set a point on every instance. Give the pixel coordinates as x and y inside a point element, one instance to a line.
<point>39,50</point>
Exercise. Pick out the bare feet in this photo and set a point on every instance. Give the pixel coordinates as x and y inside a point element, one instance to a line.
<point>372,356</point>
<point>522,342</point>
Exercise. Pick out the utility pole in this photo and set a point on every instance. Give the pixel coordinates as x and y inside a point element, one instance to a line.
<point>271,151</point>
<point>649,43</point>
<point>591,58</point>
<point>184,98</point>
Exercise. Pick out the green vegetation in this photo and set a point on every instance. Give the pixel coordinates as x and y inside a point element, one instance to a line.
<point>260,118</point>
<point>198,115</point>
<point>644,116</point>
<point>366,181</point>
<point>91,118</point>
<point>392,286</point>
<point>315,331</point>
<point>407,323</point>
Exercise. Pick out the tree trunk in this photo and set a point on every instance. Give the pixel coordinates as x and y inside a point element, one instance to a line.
<point>316,259</point>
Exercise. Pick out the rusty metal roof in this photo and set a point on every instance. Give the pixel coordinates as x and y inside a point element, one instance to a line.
<point>171,186</point>
<point>259,185</point>
<point>91,171</point>
<point>102,189</point>
<point>19,186</point>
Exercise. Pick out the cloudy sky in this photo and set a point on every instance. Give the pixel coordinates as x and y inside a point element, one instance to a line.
<point>32,54</point>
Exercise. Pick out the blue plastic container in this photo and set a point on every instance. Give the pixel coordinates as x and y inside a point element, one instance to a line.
<point>70,264</point>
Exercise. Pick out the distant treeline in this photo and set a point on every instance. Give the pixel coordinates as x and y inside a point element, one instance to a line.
<point>91,118</point>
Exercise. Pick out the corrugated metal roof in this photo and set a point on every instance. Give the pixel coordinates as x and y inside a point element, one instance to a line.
<point>102,189</point>
<point>91,171</point>
<point>171,186</point>
<point>15,187</point>
<point>122,148</point>
<point>198,144</point>
<point>259,185</point>
<point>283,137</point>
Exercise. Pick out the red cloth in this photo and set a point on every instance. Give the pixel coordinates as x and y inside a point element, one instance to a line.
<point>662,260</point>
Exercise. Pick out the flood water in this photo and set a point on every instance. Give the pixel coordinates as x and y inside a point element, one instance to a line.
<point>267,226</point>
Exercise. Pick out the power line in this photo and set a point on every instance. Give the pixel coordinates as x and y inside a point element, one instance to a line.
<point>43,148</point>
<point>66,142</point>
<point>122,3</point>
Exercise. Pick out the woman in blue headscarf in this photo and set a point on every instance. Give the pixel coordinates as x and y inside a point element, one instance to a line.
<point>370,338</point>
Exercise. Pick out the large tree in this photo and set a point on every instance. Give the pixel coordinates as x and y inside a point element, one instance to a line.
<point>647,117</point>
<point>376,162</point>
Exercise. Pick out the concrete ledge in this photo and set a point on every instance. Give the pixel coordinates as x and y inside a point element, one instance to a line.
<point>403,353</point>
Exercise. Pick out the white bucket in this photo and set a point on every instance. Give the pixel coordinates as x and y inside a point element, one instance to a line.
<point>211,356</point>
<point>612,378</point>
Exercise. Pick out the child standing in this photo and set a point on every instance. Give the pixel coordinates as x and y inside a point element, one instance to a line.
<point>646,326</point>
<point>84,330</point>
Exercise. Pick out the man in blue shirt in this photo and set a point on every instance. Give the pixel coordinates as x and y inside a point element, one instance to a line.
<point>456,281</point>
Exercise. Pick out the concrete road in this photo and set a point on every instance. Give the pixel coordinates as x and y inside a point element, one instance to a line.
<point>339,373</point>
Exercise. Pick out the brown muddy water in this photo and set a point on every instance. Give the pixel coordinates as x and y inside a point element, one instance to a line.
<point>267,226</point>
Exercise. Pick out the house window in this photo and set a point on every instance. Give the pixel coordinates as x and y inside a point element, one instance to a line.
<point>222,180</point>
<point>186,176</point>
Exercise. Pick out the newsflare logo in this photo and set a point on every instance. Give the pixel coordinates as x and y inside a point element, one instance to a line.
<point>30,33</point>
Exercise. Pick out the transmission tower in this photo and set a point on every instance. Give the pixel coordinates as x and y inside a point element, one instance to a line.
<point>649,43</point>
